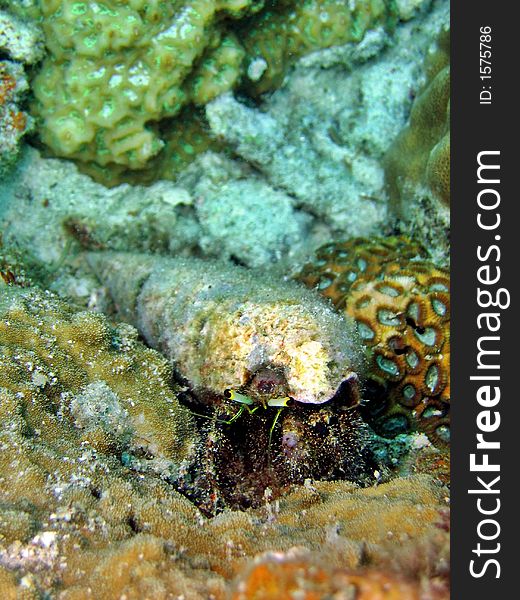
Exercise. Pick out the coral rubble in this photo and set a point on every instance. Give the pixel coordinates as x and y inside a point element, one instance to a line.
<point>218,210</point>
<point>68,212</point>
<point>22,40</point>
<point>256,233</point>
<point>401,305</point>
<point>322,136</point>
<point>315,145</point>
<point>21,44</point>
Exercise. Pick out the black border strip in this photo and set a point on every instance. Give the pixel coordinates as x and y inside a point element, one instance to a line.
<point>478,128</point>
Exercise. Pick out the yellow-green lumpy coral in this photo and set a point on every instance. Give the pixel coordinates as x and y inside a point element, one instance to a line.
<point>420,156</point>
<point>117,70</point>
<point>184,137</point>
<point>72,369</point>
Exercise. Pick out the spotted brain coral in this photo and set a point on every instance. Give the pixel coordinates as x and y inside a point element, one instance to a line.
<point>401,305</point>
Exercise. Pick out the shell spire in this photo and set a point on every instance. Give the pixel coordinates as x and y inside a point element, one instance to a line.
<point>221,325</point>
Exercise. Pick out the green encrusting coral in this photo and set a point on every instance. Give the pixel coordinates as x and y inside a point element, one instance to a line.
<point>91,383</point>
<point>290,29</point>
<point>116,70</point>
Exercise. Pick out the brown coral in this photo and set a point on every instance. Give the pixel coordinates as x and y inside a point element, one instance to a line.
<point>402,309</point>
<point>108,533</point>
<point>420,156</point>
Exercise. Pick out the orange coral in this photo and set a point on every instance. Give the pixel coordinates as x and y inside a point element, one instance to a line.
<point>277,576</point>
<point>7,84</point>
<point>18,120</point>
<point>13,122</point>
<point>401,304</point>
